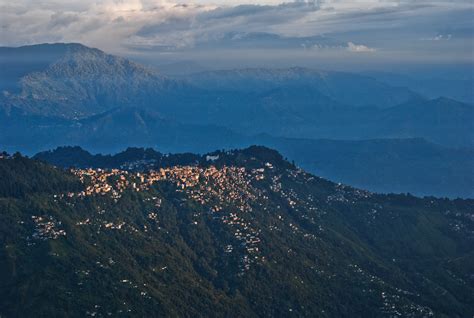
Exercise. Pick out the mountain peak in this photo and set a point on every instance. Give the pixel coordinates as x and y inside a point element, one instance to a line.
<point>44,47</point>
<point>72,80</point>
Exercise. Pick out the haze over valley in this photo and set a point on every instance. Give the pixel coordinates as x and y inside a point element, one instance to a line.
<point>71,95</point>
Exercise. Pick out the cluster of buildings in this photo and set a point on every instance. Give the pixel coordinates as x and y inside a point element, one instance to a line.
<point>46,228</point>
<point>347,194</point>
<point>230,192</point>
<point>101,182</point>
<point>226,185</point>
<point>247,239</point>
<point>392,298</point>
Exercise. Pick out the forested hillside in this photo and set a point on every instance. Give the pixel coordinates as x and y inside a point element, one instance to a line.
<point>236,233</point>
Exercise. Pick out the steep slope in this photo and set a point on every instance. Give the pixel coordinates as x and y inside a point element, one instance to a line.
<point>76,81</point>
<point>241,233</point>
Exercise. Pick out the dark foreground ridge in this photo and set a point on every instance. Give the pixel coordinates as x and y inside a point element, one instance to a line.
<point>385,166</point>
<point>235,233</point>
<point>141,159</point>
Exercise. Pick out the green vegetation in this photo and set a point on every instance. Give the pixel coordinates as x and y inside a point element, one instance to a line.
<point>323,249</point>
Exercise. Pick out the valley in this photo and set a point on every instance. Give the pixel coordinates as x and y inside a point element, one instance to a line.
<point>384,138</point>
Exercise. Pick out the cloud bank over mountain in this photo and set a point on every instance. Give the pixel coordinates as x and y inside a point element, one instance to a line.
<point>386,31</point>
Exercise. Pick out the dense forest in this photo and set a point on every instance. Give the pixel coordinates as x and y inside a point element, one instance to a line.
<point>240,233</point>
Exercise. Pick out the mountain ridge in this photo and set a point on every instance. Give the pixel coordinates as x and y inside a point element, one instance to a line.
<point>260,79</point>
<point>241,232</point>
<point>76,61</point>
<point>83,82</point>
<point>106,103</point>
<point>378,165</point>
<point>87,82</point>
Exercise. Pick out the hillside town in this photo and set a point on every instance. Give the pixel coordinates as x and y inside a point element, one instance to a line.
<point>231,194</point>
<point>243,211</point>
<point>227,191</point>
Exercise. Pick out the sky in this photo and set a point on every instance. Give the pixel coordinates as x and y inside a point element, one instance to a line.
<point>318,32</point>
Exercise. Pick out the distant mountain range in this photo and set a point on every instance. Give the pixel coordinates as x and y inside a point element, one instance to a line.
<point>459,87</point>
<point>71,80</point>
<point>344,88</point>
<point>68,94</point>
<point>224,234</point>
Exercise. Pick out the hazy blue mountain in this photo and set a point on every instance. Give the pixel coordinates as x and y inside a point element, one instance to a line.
<point>69,94</point>
<point>458,87</point>
<point>71,80</point>
<point>442,120</point>
<point>385,165</point>
<point>404,165</point>
<point>302,112</point>
<point>306,114</point>
<point>111,131</point>
<point>137,127</point>
<point>345,88</point>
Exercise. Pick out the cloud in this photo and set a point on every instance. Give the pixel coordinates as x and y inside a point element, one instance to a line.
<point>333,27</point>
<point>62,19</point>
<point>221,25</point>
<point>359,48</point>
<point>439,37</point>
